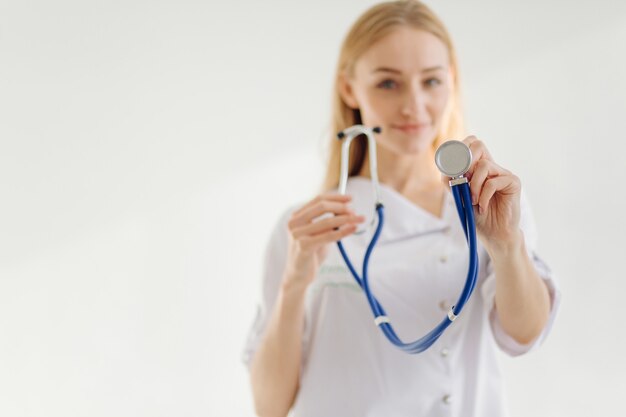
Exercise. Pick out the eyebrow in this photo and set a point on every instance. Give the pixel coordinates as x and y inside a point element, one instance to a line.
<point>395,71</point>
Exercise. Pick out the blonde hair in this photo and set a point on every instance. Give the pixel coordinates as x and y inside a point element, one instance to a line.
<point>373,25</point>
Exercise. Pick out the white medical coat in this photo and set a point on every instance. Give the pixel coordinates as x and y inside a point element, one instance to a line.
<point>417,271</point>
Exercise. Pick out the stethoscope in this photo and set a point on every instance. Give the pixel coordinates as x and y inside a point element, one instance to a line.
<point>453,158</point>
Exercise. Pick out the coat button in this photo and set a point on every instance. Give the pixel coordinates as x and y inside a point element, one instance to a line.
<point>447,399</point>
<point>445,352</point>
<point>443,259</point>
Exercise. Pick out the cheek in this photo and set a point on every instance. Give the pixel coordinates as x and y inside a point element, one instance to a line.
<point>440,100</point>
<point>375,107</point>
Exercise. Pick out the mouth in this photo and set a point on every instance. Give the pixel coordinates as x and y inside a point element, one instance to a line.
<point>411,127</point>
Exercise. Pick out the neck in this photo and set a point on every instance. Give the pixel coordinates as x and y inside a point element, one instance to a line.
<point>406,174</point>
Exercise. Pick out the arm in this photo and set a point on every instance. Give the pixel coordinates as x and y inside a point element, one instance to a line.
<point>275,369</point>
<point>522,298</point>
<point>275,366</point>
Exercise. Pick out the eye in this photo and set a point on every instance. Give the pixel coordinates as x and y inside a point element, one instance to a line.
<point>432,82</point>
<point>387,84</point>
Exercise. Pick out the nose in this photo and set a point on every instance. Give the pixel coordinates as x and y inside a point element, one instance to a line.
<point>414,101</point>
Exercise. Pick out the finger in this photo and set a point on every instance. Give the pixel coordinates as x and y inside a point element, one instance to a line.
<point>479,152</point>
<point>311,242</point>
<point>325,207</point>
<point>477,146</point>
<point>318,209</point>
<point>483,170</point>
<point>330,196</point>
<point>332,223</point>
<point>492,186</point>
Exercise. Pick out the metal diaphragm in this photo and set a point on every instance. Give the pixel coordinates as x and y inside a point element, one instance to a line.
<point>453,158</point>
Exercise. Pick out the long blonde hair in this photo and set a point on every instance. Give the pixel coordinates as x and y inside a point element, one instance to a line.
<point>373,25</point>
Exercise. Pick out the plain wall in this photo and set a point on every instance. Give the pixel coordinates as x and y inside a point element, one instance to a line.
<point>148,147</point>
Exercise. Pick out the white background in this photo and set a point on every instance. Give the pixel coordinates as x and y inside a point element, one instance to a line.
<point>148,147</point>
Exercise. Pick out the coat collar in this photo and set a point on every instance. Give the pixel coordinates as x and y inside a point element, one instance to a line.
<point>403,218</point>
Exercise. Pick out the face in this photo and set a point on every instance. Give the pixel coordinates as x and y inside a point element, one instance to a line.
<point>403,84</point>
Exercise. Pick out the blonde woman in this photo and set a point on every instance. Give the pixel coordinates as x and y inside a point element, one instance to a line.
<point>314,348</point>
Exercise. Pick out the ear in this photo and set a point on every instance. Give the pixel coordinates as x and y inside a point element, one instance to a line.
<point>346,91</point>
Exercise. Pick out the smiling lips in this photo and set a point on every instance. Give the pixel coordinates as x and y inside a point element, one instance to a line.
<point>411,128</point>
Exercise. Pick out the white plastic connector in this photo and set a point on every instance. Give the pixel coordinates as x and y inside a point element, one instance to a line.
<point>381,319</point>
<point>451,315</point>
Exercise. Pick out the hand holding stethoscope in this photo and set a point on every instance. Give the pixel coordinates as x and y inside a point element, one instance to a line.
<point>495,195</point>
<point>311,230</point>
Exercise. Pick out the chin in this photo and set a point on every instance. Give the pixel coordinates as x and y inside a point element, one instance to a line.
<point>416,144</point>
<point>418,148</point>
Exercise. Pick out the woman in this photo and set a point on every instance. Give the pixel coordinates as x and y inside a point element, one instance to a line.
<point>314,348</point>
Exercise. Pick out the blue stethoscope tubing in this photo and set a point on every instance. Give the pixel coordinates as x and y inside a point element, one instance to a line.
<point>462,198</point>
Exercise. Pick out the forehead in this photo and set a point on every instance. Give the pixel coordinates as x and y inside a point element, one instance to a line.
<point>406,49</point>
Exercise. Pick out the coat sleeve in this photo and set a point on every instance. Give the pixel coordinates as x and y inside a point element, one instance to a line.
<point>274,262</point>
<point>488,289</point>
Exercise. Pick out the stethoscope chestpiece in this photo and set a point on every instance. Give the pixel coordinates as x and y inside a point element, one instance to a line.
<point>453,158</point>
